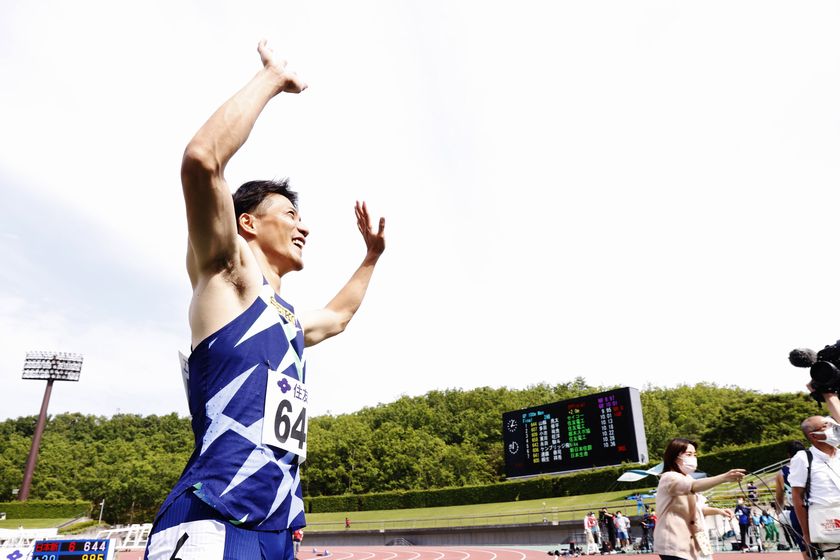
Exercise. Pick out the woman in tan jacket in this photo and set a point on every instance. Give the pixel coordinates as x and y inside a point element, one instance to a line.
<point>680,531</point>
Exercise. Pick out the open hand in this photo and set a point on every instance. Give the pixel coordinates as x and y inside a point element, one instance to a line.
<point>290,81</point>
<point>735,475</point>
<point>375,242</point>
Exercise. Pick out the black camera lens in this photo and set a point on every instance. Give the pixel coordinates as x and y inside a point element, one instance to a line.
<point>825,373</point>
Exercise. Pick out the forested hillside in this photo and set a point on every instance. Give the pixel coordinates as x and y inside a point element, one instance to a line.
<point>443,438</point>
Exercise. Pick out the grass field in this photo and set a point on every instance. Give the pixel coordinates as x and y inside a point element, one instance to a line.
<point>528,511</point>
<point>31,523</point>
<point>548,510</point>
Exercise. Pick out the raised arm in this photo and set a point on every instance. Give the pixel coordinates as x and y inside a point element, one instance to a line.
<point>832,401</point>
<point>210,215</point>
<point>703,484</point>
<point>727,513</point>
<point>323,323</point>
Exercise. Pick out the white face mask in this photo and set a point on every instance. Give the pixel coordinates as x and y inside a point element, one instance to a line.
<point>832,432</point>
<point>688,464</point>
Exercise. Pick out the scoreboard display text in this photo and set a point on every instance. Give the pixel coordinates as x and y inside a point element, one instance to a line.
<point>593,431</point>
<point>82,549</point>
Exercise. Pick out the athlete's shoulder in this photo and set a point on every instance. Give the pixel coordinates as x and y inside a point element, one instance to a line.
<point>219,298</point>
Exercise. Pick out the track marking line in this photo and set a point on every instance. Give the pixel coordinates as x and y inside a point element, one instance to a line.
<point>521,554</point>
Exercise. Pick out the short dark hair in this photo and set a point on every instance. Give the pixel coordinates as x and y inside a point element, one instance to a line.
<point>673,450</point>
<point>794,447</point>
<point>251,194</point>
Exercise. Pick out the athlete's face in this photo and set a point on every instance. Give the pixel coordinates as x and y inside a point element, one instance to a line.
<point>280,232</point>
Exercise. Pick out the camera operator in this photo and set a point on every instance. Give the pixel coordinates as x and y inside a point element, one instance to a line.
<point>815,481</point>
<point>608,520</point>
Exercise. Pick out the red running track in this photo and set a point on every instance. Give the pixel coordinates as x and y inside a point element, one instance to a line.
<point>471,553</point>
<point>491,553</point>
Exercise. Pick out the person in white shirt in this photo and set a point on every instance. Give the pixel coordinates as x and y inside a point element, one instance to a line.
<point>622,529</point>
<point>590,525</point>
<point>824,492</point>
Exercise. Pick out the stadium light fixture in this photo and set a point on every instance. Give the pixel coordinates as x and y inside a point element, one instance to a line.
<point>50,366</point>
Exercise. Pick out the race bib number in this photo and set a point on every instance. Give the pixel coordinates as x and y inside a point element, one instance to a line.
<point>284,425</point>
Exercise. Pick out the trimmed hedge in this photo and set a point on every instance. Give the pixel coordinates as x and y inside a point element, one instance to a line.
<point>529,489</point>
<point>750,458</point>
<point>80,527</point>
<point>41,509</point>
<point>584,482</point>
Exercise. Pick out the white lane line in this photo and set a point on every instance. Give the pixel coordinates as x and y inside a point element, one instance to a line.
<point>519,552</point>
<point>466,554</point>
<point>484,550</point>
<point>349,554</point>
<point>337,556</point>
<point>400,550</point>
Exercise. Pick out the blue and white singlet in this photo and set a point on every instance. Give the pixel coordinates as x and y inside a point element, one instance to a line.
<point>250,484</point>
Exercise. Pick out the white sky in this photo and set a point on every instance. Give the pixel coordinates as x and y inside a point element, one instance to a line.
<point>633,192</point>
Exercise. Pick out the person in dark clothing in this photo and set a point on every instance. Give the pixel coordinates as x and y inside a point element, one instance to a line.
<point>742,512</point>
<point>647,528</point>
<point>608,520</point>
<point>787,515</point>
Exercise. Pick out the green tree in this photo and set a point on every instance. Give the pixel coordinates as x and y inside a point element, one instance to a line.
<point>450,437</point>
<point>760,418</point>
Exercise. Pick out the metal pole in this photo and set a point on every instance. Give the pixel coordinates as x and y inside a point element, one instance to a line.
<point>101,508</point>
<point>36,444</point>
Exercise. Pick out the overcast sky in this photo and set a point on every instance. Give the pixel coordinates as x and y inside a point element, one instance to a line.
<point>631,192</point>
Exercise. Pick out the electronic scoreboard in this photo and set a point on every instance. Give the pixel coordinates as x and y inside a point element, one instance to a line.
<point>593,431</point>
<point>78,549</point>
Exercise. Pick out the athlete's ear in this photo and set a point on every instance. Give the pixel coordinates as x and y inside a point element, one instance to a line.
<point>247,223</point>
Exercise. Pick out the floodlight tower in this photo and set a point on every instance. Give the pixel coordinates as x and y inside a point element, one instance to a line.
<point>52,366</point>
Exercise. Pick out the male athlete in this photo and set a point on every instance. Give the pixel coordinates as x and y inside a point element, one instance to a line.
<point>239,496</point>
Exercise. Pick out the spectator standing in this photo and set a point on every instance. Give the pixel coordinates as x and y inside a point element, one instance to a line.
<point>647,529</point>
<point>640,504</point>
<point>680,531</point>
<point>771,534</point>
<point>590,523</point>
<point>752,492</point>
<point>622,529</point>
<point>817,470</point>
<point>596,529</point>
<point>297,538</point>
<point>784,503</point>
<point>755,529</point>
<point>742,513</point>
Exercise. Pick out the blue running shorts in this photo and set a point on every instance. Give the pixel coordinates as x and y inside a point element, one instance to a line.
<point>190,529</point>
